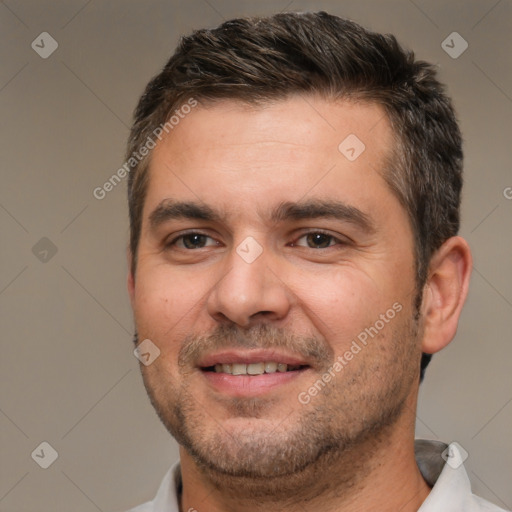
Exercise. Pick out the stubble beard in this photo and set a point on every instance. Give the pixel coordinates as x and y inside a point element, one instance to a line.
<point>340,428</point>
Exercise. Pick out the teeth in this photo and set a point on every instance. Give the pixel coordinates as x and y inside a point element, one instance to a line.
<point>254,368</point>
<point>270,367</point>
<point>239,369</point>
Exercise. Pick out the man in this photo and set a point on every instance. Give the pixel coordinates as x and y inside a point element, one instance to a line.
<point>294,208</point>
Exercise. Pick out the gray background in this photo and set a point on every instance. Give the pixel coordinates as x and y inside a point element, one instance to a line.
<point>68,373</point>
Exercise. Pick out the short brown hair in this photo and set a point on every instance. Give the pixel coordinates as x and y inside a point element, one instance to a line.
<point>260,59</point>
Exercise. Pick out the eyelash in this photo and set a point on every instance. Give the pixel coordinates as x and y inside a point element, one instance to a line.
<point>314,232</point>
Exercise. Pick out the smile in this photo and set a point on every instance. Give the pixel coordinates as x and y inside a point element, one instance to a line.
<point>253,368</point>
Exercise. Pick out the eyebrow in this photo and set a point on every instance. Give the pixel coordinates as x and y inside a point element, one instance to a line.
<point>170,209</point>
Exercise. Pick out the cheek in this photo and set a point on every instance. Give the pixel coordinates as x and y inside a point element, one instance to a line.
<point>164,304</point>
<point>345,302</point>
<point>342,293</point>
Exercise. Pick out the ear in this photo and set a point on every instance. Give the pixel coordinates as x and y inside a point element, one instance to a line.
<point>131,277</point>
<point>445,292</point>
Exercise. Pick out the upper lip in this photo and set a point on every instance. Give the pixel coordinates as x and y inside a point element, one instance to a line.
<point>234,356</point>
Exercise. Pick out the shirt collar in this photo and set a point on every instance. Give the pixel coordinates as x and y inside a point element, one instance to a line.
<point>440,465</point>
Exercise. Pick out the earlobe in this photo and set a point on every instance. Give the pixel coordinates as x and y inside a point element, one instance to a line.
<point>445,293</point>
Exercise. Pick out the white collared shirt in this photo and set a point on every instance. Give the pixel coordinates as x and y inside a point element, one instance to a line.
<point>451,491</point>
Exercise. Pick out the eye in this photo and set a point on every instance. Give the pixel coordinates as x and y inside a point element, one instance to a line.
<point>318,240</point>
<point>195,240</point>
<point>191,241</point>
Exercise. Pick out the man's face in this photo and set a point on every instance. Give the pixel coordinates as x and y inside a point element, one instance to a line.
<point>296,253</point>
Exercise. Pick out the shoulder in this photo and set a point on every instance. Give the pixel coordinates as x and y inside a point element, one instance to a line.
<point>442,467</point>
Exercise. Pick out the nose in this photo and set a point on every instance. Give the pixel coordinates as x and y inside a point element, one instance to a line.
<point>249,291</point>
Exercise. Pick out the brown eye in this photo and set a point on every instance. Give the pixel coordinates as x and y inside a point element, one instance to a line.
<point>191,241</point>
<point>318,240</point>
<point>194,241</point>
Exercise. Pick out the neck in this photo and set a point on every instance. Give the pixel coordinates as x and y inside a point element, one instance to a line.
<point>379,474</point>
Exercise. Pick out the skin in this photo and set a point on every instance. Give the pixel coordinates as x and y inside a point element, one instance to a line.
<point>352,446</point>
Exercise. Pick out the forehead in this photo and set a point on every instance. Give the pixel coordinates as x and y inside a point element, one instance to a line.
<point>294,147</point>
<point>308,121</point>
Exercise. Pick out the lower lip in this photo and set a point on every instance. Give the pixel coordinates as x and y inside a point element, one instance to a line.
<point>249,385</point>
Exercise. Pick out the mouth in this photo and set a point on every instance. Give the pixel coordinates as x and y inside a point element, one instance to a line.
<point>267,367</point>
<point>251,373</point>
